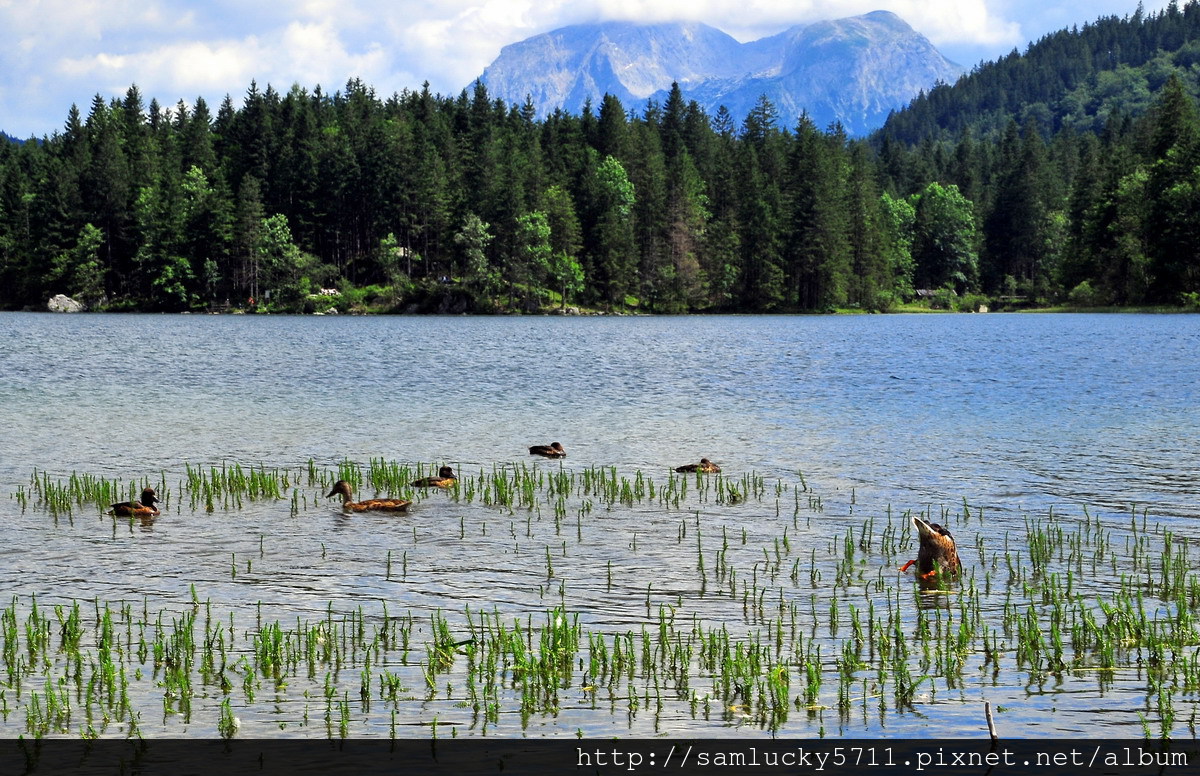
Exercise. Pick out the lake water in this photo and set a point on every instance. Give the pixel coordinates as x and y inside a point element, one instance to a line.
<point>1022,416</point>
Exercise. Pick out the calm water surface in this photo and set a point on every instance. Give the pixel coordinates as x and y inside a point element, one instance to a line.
<point>1011,409</point>
<point>1016,414</point>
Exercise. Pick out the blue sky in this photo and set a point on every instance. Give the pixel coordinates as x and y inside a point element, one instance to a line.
<point>57,52</point>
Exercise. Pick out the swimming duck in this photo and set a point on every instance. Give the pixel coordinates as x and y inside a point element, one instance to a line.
<point>142,508</point>
<point>937,551</point>
<point>552,450</point>
<point>704,467</point>
<point>445,478</point>
<point>342,488</point>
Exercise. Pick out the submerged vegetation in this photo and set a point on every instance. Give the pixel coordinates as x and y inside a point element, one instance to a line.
<point>651,602</point>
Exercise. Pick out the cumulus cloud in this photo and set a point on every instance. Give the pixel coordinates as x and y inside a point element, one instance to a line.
<point>185,66</point>
<point>55,52</point>
<point>305,53</point>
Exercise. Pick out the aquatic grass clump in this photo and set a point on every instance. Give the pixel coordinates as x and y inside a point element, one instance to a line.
<point>231,483</point>
<point>61,497</point>
<point>730,609</point>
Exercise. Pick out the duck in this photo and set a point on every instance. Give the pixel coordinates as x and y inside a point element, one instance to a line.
<point>342,488</point>
<point>445,478</point>
<point>704,467</point>
<point>938,554</point>
<point>552,450</point>
<point>144,507</point>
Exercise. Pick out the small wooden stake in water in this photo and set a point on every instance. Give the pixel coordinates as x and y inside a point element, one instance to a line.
<point>991,723</point>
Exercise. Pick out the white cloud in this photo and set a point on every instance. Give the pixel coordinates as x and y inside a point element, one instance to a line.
<point>74,22</point>
<point>969,21</point>
<point>304,53</point>
<point>55,52</point>
<point>186,67</point>
<point>314,53</point>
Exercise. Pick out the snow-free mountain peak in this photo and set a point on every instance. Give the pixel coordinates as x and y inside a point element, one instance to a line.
<point>854,70</point>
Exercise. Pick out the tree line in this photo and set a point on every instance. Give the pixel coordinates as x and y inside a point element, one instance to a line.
<point>303,200</point>
<point>1071,79</point>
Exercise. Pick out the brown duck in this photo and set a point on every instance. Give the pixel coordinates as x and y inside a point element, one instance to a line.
<point>342,488</point>
<point>937,554</point>
<point>704,467</point>
<point>144,507</point>
<point>445,478</point>
<point>552,450</point>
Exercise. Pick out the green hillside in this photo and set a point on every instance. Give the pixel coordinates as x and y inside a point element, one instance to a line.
<point>1073,79</point>
<point>1080,158</point>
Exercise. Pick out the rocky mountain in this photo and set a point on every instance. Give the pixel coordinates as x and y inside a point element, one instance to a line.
<point>853,70</point>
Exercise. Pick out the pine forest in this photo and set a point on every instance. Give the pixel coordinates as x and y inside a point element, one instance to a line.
<point>1066,175</point>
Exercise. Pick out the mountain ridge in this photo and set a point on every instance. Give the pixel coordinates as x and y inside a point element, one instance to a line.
<point>854,70</point>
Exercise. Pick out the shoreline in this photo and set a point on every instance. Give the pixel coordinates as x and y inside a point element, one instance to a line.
<point>590,313</point>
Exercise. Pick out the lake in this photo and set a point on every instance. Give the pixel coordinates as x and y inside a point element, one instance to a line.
<point>1063,452</point>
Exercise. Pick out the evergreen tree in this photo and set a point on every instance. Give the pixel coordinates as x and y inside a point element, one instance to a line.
<point>819,251</point>
<point>1013,230</point>
<point>759,172</point>
<point>1097,198</point>
<point>1173,225</point>
<point>566,273</point>
<point>105,189</point>
<point>869,278</point>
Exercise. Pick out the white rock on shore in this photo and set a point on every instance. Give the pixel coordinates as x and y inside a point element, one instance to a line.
<point>61,303</point>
